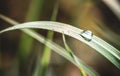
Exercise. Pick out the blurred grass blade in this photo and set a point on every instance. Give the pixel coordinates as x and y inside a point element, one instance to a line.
<point>34,10</point>
<point>45,60</point>
<point>108,51</point>
<point>33,14</point>
<point>114,6</point>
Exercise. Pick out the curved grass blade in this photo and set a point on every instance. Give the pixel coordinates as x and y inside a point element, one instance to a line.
<point>108,51</point>
<point>61,51</point>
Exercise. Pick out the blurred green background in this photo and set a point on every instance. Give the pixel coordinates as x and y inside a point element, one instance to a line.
<point>96,15</point>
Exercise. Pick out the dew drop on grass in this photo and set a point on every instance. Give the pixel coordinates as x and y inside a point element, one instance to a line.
<point>87,35</point>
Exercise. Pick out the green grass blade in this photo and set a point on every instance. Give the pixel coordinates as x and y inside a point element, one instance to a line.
<point>34,10</point>
<point>98,44</point>
<point>33,14</point>
<point>45,60</point>
<point>61,51</point>
<point>83,73</point>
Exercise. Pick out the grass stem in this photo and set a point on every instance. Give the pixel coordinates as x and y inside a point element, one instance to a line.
<point>47,51</point>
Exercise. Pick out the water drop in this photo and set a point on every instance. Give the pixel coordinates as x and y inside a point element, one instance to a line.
<point>87,35</point>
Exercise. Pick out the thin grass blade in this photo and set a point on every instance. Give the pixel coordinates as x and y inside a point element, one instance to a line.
<point>98,44</point>
<point>61,51</point>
